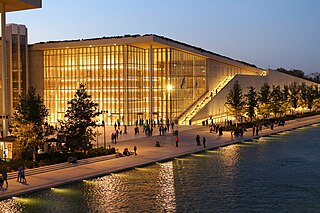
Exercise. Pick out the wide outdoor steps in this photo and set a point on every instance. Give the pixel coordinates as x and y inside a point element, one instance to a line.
<point>205,100</point>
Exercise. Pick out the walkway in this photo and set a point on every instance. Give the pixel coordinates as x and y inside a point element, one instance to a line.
<point>55,175</point>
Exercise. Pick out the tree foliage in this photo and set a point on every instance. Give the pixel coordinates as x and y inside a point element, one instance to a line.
<point>294,94</point>
<point>25,140</point>
<point>276,100</point>
<point>235,101</point>
<point>28,120</point>
<point>80,120</point>
<point>251,102</point>
<point>264,101</point>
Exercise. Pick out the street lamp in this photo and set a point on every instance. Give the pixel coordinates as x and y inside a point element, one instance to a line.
<point>169,88</point>
<point>104,128</point>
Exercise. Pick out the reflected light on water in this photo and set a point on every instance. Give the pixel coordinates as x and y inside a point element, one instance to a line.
<point>166,195</point>
<point>230,155</point>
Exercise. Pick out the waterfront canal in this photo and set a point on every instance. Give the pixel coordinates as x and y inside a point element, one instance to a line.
<point>279,173</point>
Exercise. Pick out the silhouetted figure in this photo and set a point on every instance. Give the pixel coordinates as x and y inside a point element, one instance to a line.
<point>198,140</point>
<point>135,150</point>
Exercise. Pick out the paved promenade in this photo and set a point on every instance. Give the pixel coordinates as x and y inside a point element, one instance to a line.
<point>55,175</point>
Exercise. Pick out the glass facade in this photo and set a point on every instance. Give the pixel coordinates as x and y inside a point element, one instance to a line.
<point>118,79</point>
<point>18,69</point>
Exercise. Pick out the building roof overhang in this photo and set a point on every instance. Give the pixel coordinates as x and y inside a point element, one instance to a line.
<point>141,41</point>
<point>16,5</point>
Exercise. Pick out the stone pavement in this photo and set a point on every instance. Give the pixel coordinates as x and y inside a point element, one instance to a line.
<point>55,175</point>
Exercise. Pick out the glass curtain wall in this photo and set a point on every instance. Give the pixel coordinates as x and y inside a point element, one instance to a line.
<point>115,77</point>
<point>118,78</point>
<point>188,79</point>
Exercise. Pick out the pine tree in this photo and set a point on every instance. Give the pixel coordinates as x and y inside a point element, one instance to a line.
<point>235,102</point>
<point>264,101</point>
<point>276,100</point>
<point>294,94</point>
<point>285,100</point>
<point>311,96</point>
<point>303,97</point>
<point>79,123</point>
<point>251,102</point>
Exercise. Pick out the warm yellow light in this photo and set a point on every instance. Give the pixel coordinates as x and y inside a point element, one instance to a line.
<point>169,87</point>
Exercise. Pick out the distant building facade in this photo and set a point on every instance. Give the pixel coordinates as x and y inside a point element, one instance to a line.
<point>132,78</point>
<point>17,64</point>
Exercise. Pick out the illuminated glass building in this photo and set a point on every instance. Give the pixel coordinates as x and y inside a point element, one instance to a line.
<point>142,77</point>
<point>131,77</point>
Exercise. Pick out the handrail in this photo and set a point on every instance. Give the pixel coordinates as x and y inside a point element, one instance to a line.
<point>183,117</point>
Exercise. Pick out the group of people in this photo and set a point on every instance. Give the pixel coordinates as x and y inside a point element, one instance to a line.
<point>238,132</point>
<point>126,151</point>
<point>217,129</point>
<point>198,141</point>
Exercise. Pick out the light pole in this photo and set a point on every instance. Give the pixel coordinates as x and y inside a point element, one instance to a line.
<point>104,128</point>
<point>169,87</point>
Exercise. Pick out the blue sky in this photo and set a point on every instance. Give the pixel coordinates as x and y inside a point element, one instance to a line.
<point>267,33</point>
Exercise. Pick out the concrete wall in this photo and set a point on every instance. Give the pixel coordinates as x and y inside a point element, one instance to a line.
<point>36,72</point>
<point>218,71</point>
<point>216,106</point>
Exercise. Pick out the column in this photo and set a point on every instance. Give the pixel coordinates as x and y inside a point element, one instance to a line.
<point>151,82</point>
<point>4,100</point>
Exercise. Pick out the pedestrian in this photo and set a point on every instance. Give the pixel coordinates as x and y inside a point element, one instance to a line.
<point>204,140</point>
<point>125,129</point>
<point>19,173</point>
<point>5,177</point>
<point>257,131</point>
<point>135,150</point>
<point>198,140</point>
<point>22,176</point>
<point>253,130</point>
<point>177,141</point>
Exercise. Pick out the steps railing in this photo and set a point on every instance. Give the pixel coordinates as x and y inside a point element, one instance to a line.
<point>194,109</point>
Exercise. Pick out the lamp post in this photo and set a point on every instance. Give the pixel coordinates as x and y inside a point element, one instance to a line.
<point>104,128</point>
<point>169,88</point>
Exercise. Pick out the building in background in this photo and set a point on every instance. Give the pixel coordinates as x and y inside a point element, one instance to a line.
<point>131,77</point>
<point>17,64</point>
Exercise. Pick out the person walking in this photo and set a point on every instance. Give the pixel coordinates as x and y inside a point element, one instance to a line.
<point>257,131</point>
<point>204,140</point>
<point>198,140</point>
<point>5,177</point>
<point>19,174</point>
<point>135,150</point>
<point>22,176</point>
<point>177,141</point>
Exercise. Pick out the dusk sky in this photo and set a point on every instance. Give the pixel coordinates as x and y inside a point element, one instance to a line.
<point>267,33</point>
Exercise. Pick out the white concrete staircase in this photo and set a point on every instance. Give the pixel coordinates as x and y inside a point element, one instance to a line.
<point>203,101</point>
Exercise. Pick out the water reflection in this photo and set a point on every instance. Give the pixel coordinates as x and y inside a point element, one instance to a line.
<point>166,195</point>
<point>255,176</point>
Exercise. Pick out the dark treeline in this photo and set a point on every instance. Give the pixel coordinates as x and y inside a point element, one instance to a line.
<point>315,77</point>
<point>272,101</point>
